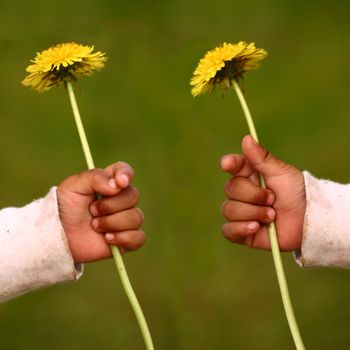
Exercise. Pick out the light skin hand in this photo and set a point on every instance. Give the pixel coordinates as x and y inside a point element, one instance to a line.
<point>91,224</point>
<point>249,208</point>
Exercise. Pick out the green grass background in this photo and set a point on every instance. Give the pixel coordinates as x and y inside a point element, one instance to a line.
<point>197,290</point>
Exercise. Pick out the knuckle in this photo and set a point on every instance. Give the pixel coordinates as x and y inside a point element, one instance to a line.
<point>267,156</point>
<point>125,240</point>
<point>258,213</point>
<point>103,207</point>
<point>133,195</point>
<point>134,240</point>
<point>225,230</point>
<point>228,231</point>
<point>230,186</point>
<point>262,214</point>
<point>100,206</point>
<point>260,196</point>
<point>224,207</point>
<point>138,216</point>
<point>94,174</point>
<point>140,241</point>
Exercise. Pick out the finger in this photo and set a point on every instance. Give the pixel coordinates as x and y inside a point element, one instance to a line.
<point>236,164</point>
<point>122,172</point>
<point>129,240</point>
<point>126,199</point>
<point>262,160</point>
<point>130,219</point>
<point>234,231</point>
<point>248,233</point>
<point>243,190</point>
<point>260,240</point>
<point>240,211</point>
<point>90,182</point>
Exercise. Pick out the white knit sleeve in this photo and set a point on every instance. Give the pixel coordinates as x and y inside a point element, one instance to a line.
<point>34,252</point>
<point>326,236</point>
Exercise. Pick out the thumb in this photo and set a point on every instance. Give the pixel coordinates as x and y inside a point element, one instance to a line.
<point>90,182</point>
<point>262,160</point>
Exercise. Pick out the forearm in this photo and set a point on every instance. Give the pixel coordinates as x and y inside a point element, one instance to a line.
<point>326,236</point>
<point>33,248</point>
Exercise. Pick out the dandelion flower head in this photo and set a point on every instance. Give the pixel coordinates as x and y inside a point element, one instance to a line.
<point>60,63</point>
<point>223,64</point>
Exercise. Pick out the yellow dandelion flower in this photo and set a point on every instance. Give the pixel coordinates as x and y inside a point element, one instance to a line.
<point>62,63</point>
<point>219,67</point>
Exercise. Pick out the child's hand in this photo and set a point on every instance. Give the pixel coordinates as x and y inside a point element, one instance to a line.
<point>249,208</point>
<point>92,224</point>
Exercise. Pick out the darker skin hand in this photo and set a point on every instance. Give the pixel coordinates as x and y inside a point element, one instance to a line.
<point>250,208</point>
<point>91,224</point>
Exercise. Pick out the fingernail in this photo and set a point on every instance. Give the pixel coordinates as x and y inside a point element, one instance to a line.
<point>112,184</point>
<point>225,162</point>
<point>123,180</point>
<point>109,236</point>
<point>270,199</point>
<point>270,214</point>
<point>93,210</point>
<point>252,226</point>
<point>94,224</point>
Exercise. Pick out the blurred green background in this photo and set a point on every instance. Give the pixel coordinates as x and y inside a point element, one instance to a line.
<point>197,290</point>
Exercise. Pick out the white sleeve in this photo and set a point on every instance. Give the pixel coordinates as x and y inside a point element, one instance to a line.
<point>326,236</point>
<point>34,251</point>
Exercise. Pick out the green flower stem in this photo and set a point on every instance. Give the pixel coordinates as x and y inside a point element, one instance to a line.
<point>115,251</point>
<point>273,240</point>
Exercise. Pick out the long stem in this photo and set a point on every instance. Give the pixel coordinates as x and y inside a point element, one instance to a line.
<point>115,251</point>
<point>273,240</point>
